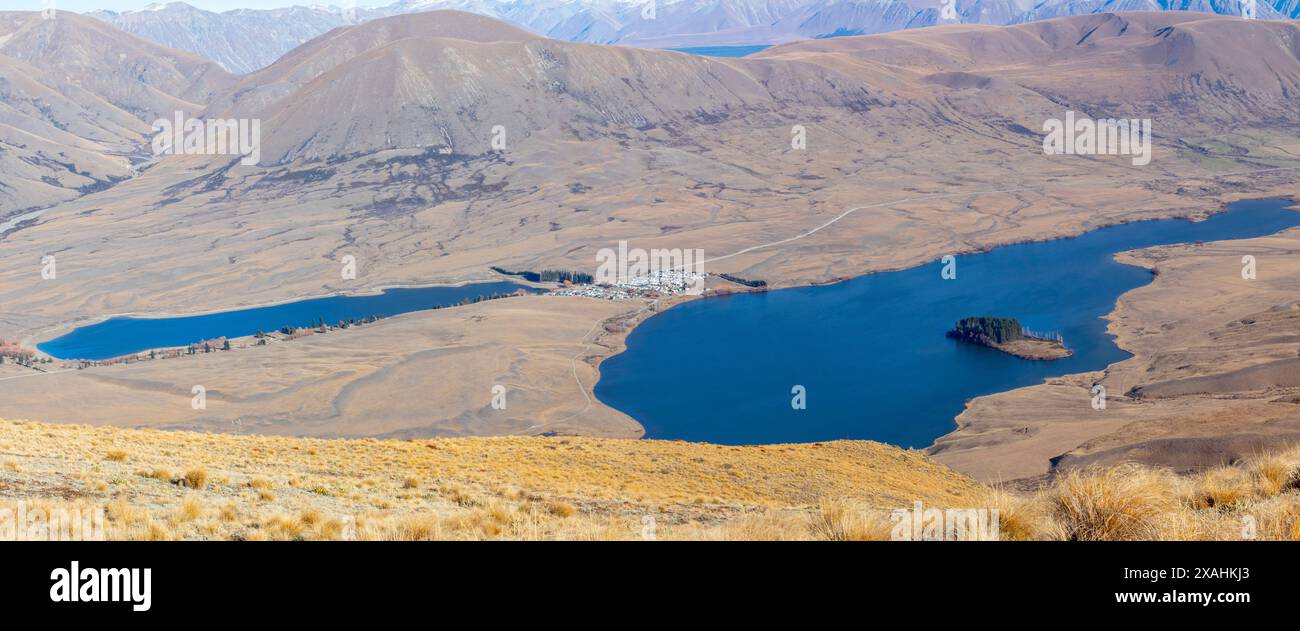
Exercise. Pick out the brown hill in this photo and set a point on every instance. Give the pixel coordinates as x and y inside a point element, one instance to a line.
<point>318,56</point>
<point>78,98</point>
<point>1205,69</point>
<point>131,73</point>
<point>427,81</point>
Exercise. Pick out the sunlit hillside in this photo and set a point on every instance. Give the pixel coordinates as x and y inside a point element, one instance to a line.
<point>182,485</point>
<point>178,485</point>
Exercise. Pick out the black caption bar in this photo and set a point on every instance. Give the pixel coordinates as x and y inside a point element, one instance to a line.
<point>306,581</point>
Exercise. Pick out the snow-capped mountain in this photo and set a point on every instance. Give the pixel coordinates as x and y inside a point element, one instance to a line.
<point>241,41</point>
<point>245,40</point>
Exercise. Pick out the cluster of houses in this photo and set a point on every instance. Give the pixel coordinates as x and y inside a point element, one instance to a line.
<point>653,285</point>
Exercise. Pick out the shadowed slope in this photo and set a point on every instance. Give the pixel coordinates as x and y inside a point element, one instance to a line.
<point>78,99</point>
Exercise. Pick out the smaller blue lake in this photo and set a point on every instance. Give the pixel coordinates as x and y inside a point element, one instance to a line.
<point>723,51</point>
<point>123,336</point>
<point>871,352</point>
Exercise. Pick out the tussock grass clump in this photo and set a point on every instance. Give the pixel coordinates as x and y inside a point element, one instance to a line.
<point>410,528</point>
<point>116,455</point>
<point>1021,518</point>
<point>1277,518</point>
<point>191,508</point>
<point>1274,474</point>
<point>119,510</point>
<point>311,517</point>
<point>282,527</point>
<point>1116,503</point>
<point>196,478</point>
<point>458,495</point>
<point>837,520</point>
<point>157,532</point>
<point>561,509</point>
<point>332,530</point>
<point>1257,498</point>
<point>1222,488</point>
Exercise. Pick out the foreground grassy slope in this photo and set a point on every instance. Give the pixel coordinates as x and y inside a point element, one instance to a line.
<point>275,487</point>
<point>183,485</point>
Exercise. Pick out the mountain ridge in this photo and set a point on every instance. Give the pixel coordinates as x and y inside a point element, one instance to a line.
<point>247,40</point>
<point>80,98</point>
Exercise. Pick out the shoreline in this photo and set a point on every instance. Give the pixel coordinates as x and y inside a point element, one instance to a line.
<point>63,328</point>
<point>1040,349</point>
<point>27,339</point>
<point>987,422</point>
<point>1292,203</point>
<point>610,334</point>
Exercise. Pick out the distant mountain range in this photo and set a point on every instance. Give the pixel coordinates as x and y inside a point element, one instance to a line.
<point>384,133</point>
<point>246,40</point>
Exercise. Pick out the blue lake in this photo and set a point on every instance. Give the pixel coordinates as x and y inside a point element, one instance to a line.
<point>723,51</point>
<point>122,336</point>
<point>871,352</point>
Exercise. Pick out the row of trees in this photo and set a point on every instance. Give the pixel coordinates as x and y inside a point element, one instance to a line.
<point>743,281</point>
<point>986,329</point>
<point>550,276</point>
<point>480,298</point>
<point>319,325</point>
<point>207,346</point>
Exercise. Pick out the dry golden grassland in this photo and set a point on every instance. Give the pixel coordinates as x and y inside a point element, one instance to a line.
<point>185,485</point>
<point>164,485</point>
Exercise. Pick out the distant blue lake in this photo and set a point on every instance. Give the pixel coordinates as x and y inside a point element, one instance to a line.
<point>123,336</point>
<point>723,51</point>
<point>871,352</point>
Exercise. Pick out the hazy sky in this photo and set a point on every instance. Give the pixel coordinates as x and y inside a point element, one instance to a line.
<point>82,6</point>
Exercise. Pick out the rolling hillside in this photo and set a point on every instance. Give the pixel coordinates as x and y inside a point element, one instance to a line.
<point>381,134</point>
<point>79,99</point>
